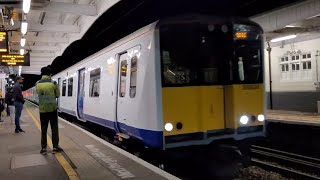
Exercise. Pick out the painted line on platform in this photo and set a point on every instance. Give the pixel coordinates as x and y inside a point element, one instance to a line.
<point>63,162</point>
<point>121,151</point>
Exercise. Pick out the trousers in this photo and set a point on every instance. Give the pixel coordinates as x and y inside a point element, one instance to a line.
<point>18,109</point>
<point>45,118</point>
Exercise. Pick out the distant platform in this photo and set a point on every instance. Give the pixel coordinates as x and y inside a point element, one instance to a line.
<point>85,156</point>
<point>293,117</point>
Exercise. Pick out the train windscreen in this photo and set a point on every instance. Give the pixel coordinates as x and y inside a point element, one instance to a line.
<point>195,54</point>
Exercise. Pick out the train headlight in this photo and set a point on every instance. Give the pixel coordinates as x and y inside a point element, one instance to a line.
<point>168,127</point>
<point>261,117</point>
<point>244,120</point>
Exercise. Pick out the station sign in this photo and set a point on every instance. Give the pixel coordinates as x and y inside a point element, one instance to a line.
<point>3,42</point>
<point>15,60</point>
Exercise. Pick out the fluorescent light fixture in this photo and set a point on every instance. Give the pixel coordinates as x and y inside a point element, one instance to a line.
<point>290,26</point>
<point>26,6</point>
<point>24,27</point>
<point>23,42</point>
<point>284,38</point>
<point>21,52</point>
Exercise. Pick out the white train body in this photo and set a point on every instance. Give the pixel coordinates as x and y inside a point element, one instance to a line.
<point>140,116</point>
<point>126,88</point>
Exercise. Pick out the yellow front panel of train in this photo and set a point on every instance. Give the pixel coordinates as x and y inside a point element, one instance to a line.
<point>244,99</point>
<point>198,108</point>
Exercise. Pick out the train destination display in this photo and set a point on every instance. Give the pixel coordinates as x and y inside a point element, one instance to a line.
<point>15,60</point>
<point>3,42</point>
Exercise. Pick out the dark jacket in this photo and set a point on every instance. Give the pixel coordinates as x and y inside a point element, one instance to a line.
<point>9,99</point>
<point>17,93</point>
<point>1,104</point>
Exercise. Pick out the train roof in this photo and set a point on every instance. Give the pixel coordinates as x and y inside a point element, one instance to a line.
<point>189,18</point>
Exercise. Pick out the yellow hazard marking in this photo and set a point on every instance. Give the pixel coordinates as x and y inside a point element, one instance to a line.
<point>63,162</point>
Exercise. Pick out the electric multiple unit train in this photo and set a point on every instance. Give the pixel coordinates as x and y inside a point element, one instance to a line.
<point>177,82</point>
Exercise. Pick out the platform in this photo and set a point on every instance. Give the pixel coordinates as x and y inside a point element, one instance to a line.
<point>293,117</point>
<point>85,156</point>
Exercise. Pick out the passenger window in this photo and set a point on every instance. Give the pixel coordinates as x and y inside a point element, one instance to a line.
<point>123,78</point>
<point>133,77</point>
<point>64,87</point>
<point>94,90</point>
<point>70,86</point>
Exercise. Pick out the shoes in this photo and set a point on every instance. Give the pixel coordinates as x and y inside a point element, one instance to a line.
<point>16,131</point>
<point>43,151</point>
<point>55,150</point>
<point>20,130</point>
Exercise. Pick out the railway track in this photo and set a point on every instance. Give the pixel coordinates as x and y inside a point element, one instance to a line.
<point>285,163</point>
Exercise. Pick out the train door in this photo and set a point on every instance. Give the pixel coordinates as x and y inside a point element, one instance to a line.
<point>123,106</point>
<point>59,85</point>
<point>80,94</point>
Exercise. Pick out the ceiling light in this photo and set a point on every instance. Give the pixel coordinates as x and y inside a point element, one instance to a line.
<point>21,52</point>
<point>26,6</point>
<point>23,42</point>
<point>284,38</point>
<point>290,26</point>
<point>24,27</point>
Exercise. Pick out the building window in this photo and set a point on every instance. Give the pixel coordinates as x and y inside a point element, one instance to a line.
<point>64,87</point>
<point>298,68</point>
<point>70,86</point>
<point>133,77</point>
<point>123,78</point>
<point>94,90</point>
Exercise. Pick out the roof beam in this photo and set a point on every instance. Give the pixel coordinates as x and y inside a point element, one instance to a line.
<point>30,38</point>
<point>33,27</point>
<point>278,19</point>
<point>61,7</point>
<point>42,55</point>
<point>38,48</point>
<point>36,27</point>
<point>69,8</point>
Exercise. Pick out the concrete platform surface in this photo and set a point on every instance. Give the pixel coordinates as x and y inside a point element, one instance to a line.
<point>293,117</point>
<point>89,156</point>
<point>19,154</point>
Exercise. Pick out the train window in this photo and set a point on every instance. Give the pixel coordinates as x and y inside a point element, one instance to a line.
<point>123,78</point>
<point>133,77</point>
<point>64,87</point>
<point>94,90</point>
<point>70,86</point>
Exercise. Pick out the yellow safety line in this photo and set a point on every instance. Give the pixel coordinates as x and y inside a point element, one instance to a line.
<point>63,162</point>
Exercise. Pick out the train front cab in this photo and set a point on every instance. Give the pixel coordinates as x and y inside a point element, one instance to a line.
<point>212,81</point>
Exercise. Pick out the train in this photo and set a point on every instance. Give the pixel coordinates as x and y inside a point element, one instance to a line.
<point>177,82</point>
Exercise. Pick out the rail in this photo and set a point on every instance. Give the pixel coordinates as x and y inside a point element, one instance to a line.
<point>288,164</point>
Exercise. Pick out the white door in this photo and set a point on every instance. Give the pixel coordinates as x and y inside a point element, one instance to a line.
<point>123,105</point>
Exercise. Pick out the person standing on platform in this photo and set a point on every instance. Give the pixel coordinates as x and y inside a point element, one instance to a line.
<point>10,104</point>
<point>18,102</point>
<point>2,107</point>
<point>48,91</point>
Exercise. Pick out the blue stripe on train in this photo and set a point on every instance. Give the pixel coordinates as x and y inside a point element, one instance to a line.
<point>151,138</point>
